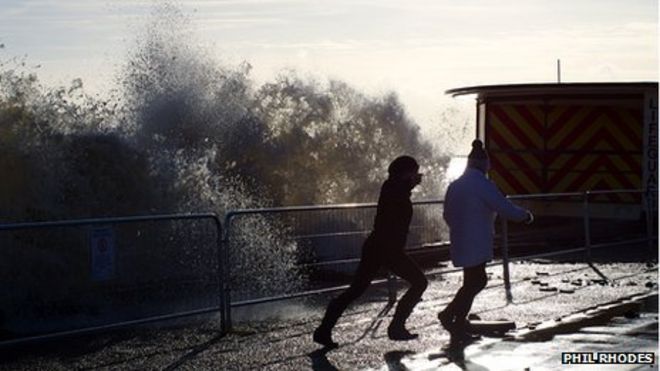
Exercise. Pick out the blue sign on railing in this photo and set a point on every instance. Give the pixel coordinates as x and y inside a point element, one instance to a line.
<point>102,252</point>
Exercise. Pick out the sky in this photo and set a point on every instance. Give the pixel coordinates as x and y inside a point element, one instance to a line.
<point>417,48</point>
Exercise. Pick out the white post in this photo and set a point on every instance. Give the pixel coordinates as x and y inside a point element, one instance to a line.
<point>558,71</point>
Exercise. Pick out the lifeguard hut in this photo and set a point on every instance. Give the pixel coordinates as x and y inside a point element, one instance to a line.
<point>572,137</point>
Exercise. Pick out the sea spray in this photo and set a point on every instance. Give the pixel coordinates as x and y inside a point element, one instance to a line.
<point>182,133</point>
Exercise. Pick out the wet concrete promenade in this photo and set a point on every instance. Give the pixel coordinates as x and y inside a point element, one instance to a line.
<point>587,309</point>
<point>618,334</point>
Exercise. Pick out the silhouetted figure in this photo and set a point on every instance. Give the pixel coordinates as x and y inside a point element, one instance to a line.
<point>471,203</point>
<point>385,248</point>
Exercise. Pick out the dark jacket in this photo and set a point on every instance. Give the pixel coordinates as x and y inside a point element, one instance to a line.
<point>392,216</point>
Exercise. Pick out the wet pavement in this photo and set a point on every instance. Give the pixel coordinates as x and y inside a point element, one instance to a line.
<point>278,336</point>
<point>618,334</point>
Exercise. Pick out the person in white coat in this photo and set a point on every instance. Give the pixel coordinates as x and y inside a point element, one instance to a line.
<point>471,204</point>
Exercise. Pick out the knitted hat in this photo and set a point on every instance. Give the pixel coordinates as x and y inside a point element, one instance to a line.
<point>478,156</point>
<point>401,165</point>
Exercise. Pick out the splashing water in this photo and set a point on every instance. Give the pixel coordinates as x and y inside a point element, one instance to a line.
<point>185,133</point>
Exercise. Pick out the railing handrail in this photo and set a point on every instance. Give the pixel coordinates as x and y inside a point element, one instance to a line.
<point>344,206</point>
<point>574,194</point>
<point>149,217</point>
<point>113,220</point>
<point>544,195</point>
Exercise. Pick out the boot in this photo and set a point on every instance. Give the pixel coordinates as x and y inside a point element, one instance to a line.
<point>399,332</point>
<point>467,338</point>
<point>457,333</point>
<point>455,351</point>
<point>323,336</point>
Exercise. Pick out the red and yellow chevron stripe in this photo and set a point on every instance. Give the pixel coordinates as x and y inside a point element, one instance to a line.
<point>514,139</point>
<point>537,147</point>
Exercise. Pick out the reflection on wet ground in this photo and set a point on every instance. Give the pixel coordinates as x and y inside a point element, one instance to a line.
<point>632,333</point>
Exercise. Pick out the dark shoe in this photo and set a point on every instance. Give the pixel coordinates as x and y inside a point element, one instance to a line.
<point>467,338</point>
<point>455,352</point>
<point>323,337</point>
<point>456,343</point>
<point>400,333</point>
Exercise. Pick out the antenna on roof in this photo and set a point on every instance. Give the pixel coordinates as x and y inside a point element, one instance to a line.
<point>558,71</point>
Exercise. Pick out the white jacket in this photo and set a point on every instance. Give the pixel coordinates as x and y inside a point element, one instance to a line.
<point>471,203</point>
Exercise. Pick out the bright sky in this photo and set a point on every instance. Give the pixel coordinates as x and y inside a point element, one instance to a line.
<point>417,48</point>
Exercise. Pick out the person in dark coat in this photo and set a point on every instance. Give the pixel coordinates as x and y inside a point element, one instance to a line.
<point>384,247</point>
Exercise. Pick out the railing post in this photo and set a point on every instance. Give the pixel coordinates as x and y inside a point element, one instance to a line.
<point>505,261</point>
<point>226,275</point>
<point>221,278</point>
<point>391,288</point>
<point>587,227</point>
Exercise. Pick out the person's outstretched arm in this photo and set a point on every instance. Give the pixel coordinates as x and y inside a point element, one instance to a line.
<point>503,206</point>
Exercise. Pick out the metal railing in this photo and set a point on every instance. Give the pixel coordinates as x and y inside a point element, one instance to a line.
<point>640,234</point>
<point>46,236</point>
<point>327,241</point>
<point>296,249</point>
<point>433,239</point>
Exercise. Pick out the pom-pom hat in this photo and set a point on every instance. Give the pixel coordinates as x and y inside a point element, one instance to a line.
<point>478,157</point>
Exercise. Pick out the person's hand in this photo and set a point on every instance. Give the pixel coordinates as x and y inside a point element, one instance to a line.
<point>413,178</point>
<point>530,217</point>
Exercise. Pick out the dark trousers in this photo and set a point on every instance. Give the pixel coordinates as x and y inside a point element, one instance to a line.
<point>474,280</point>
<point>373,258</point>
